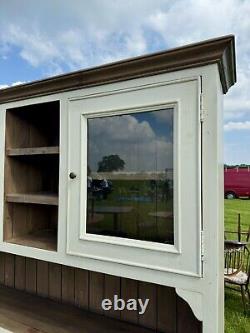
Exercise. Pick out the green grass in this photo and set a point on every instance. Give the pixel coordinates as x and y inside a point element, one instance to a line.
<point>235,320</point>
<point>232,209</point>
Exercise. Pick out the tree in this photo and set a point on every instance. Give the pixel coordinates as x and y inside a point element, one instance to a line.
<point>110,163</point>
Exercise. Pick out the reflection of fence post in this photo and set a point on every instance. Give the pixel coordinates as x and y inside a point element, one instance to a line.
<point>239,228</point>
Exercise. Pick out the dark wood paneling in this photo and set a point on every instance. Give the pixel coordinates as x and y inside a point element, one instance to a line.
<point>96,291</point>
<point>2,264</point>
<point>112,287</point>
<point>68,284</point>
<point>20,273</point>
<point>129,289</point>
<point>148,291</point>
<point>9,272</point>
<point>42,278</point>
<point>55,281</point>
<point>166,312</point>
<point>81,288</point>
<point>186,322</point>
<point>31,277</point>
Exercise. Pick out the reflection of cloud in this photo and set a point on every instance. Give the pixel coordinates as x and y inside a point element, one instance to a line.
<point>137,143</point>
<point>122,128</point>
<point>166,116</point>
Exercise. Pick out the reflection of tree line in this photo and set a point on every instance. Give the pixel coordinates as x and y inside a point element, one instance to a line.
<point>154,185</point>
<point>112,166</point>
<point>111,163</point>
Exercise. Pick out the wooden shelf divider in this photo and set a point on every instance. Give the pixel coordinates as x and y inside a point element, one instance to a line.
<point>33,198</point>
<point>53,150</point>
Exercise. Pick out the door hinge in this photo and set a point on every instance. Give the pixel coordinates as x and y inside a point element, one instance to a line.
<point>202,111</point>
<point>202,245</point>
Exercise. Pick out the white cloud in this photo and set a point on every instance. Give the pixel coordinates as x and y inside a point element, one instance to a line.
<point>17,83</point>
<point>3,86</point>
<point>61,35</point>
<point>237,125</point>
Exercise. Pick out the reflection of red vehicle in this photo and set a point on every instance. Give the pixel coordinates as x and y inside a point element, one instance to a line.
<point>236,183</point>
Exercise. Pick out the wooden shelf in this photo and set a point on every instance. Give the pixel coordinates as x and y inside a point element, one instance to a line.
<point>42,239</point>
<point>23,312</point>
<point>54,150</point>
<point>33,198</point>
<point>31,175</point>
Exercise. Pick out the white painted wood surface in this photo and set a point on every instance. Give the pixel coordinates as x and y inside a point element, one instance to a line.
<point>184,256</point>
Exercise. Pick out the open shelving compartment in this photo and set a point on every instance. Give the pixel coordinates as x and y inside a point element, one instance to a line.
<point>31,175</point>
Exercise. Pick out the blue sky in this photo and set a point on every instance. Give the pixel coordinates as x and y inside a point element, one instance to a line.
<point>44,38</point>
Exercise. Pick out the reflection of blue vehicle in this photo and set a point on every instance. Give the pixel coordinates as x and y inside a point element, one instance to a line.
<point>100,188</point>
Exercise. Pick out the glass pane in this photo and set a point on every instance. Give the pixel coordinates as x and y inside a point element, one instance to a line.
<point>130,176</point>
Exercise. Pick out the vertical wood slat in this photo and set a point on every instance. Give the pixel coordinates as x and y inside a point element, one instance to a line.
<point>20,273</point>
<point>31,275</point>
<point>149,318</point>
<point>112,286</point>
<point>129,289</point>
<point>186,321</point>
<point>42,278</point>
<point>9,271</point>
<point>68,284</point>
<point>166,309</point>
<point>55,281</point>
<point>96,291</point>
<point>81,288</point>
<point>2,266</point>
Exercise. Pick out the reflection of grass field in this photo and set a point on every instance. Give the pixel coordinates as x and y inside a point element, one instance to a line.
<point>235,321</point>
<point>138,223</point>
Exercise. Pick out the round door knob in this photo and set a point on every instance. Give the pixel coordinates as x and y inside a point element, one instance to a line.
<point>72,175</point>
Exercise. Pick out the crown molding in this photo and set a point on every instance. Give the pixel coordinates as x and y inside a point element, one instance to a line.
<point>218,50</point>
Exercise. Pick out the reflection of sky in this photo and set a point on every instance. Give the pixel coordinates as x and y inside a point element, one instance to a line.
<point>160,121</point>
<point>143,140</point>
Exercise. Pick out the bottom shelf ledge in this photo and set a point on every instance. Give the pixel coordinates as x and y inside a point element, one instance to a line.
<point>22,312</point>
<point>42,239</point>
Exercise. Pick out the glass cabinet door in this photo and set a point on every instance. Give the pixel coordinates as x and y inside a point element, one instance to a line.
<point>135,198</point>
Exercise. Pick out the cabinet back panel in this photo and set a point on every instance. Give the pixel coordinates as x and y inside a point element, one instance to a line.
<point>24,219</point>
<point>33,126</point>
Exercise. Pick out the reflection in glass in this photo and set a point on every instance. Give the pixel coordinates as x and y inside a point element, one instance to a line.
<point>130,176</point>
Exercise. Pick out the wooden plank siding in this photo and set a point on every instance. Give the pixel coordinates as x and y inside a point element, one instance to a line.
<point>166,312</point>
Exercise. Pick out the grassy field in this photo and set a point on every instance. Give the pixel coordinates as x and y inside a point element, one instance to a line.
<point>235,320</point>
